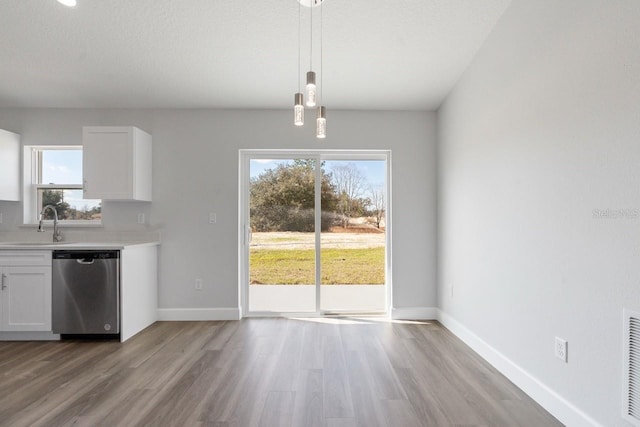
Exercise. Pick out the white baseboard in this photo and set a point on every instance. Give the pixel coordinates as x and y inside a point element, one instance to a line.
<point>29,336</point>
<point>185,314</point>
<point>559,407</point>
<point>414,313</point>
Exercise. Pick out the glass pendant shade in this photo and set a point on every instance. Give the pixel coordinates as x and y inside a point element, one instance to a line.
<point>311,89</point>
<point>298,110</point>
<point>321,123</point>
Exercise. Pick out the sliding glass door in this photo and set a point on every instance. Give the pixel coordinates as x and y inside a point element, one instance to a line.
<point>314,230</point>
<point>281,235</point>
<point>353,238</point>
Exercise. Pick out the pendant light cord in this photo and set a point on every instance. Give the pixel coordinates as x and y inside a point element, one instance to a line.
<point>311,36</point>
<point>321,72</point>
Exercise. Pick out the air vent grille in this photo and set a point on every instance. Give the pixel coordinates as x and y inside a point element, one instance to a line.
<point>632,366</point>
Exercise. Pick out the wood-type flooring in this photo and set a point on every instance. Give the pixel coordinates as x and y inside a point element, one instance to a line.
<point>262,372</point>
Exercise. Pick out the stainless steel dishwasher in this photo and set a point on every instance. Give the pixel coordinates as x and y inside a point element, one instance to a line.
<point>86,292</point>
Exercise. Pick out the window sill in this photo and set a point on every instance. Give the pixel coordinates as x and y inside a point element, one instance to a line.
<point>67,224</point>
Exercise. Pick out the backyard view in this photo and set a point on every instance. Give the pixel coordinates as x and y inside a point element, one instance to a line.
<point>289,258</point>
<point>62,201</point>
<point>282,258</point>
<point>59,170</point>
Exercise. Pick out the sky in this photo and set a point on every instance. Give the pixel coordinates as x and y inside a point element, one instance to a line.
<point>62,167</point>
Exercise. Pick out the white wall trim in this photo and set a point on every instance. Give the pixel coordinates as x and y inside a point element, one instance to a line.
<point>559,407</point>
<point>29,336</point>
<point>414,313</point>
<point>188,314</point>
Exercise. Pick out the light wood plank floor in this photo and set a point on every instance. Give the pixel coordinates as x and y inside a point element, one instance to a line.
<point>262,372</point>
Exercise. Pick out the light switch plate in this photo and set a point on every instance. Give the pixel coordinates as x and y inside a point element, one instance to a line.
<point>212,218</point>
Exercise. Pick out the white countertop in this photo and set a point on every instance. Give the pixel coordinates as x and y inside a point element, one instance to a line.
<point>73,245</point>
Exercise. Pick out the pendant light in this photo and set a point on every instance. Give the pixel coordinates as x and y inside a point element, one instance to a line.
<point>311,89</point>
<point>313,93</point>
<point>298,110</point>
<point>311,76</point>
<point>321,121</point>
<point>298,101</point>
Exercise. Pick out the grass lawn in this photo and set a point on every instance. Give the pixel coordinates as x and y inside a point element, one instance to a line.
<point>339,266</point>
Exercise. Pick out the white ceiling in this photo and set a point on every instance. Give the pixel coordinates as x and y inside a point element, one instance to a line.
<point>392,55</point>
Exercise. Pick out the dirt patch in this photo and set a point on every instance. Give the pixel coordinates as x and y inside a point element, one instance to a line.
<point>295,240</point>
<point>357,229</point>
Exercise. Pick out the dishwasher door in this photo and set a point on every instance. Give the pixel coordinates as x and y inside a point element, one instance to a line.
<point>86,292</point>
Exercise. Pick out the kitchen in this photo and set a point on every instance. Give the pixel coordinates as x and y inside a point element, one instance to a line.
<point>61,287</point>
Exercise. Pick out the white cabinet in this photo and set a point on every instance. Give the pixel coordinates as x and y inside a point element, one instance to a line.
<point>116,163</point>
<point>25,297</point>
<point>9,166</point>
<point>139,289</point>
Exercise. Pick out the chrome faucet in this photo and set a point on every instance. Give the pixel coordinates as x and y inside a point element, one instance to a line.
<point>57,237</point>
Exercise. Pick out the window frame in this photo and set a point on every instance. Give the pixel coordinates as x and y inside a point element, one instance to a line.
<point>33,163</point>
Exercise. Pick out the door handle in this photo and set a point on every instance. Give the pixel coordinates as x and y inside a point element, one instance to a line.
<point>83,262</point>
<point>4,276</point>
<point>249,236</point>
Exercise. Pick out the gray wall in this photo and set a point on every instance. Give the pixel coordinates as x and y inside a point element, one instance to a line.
<point>543,130</point>
<point>195,161</point>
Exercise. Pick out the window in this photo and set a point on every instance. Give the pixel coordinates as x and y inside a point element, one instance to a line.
<point>56,179</point>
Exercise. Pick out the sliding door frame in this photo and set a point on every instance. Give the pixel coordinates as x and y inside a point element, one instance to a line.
<point>244,232</point>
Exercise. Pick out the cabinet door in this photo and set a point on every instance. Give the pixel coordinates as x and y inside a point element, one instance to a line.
<point>9,166</point>
<point>26,299</point>
<point>108,163</point>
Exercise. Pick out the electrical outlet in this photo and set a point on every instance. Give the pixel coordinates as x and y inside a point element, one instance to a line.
<point>212,218</point>
<point>198,284</point>
<point>140,218</point>
<point>561,349</point>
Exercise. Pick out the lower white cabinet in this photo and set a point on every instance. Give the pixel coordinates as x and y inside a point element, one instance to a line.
<point>25,297</point>
<point>139,289</point>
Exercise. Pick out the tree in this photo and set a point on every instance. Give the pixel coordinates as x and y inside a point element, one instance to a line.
<point>377,198</point>
<point>349,185</point>
<point>283,198</point>
<point>55,198</point>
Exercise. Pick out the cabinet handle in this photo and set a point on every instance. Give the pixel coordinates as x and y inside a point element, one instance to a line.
<point>4,276</point>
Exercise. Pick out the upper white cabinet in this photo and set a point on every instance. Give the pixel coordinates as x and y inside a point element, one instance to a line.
<point>9,166</point>
<point>116,163</point>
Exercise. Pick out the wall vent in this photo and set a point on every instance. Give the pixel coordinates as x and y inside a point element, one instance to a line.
<point>631,392</point>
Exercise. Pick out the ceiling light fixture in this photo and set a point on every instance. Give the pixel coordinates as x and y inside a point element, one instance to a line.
<point>69,3</point>
<point>298,101</point>
<point>311,76</point>
<point>321,121</point>
<point>312,98</point>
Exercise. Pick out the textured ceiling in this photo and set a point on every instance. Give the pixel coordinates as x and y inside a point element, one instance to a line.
<point>394,54</point>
